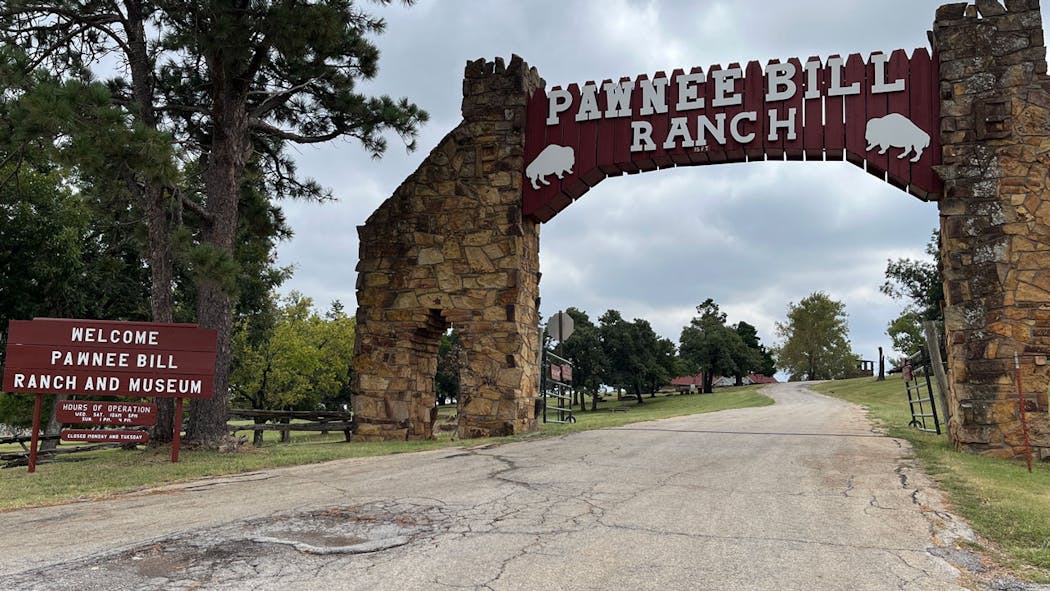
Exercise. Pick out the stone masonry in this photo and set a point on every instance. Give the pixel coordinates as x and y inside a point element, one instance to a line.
<point>995,221</point>
<point>450,248</point>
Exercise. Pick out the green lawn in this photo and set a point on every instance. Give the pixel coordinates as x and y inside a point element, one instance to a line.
<point>101,473</point>
<point>1005,504</point>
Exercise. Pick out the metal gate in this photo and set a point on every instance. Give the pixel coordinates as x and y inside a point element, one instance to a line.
<point>917,372</point>
<point>556,386</point>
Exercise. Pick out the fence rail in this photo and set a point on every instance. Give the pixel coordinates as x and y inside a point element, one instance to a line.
<point>316,420</point>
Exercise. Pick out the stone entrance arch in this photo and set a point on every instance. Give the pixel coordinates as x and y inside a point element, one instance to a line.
<point>451,247</point>
<point>457,244</point>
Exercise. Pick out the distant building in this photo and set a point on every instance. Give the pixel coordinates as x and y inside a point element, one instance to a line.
<point>682,383</point>
<point>864,368</point>
<point>755,378</point>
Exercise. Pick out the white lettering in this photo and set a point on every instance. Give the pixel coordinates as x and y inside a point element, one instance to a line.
<point>116,335</point>
<point>725,83</point>
<point>716,129</point>
<point>776,124</point>
<point>879,86</point>
<point>165,386</point>
<point>689,91</point>
<point>780,83</point>
<point>618,98</point>
<point>155,360</point>
<point>642,132</point>
<point>836,88</point>
<point>679,131</point>
<point>589,110</point>
<point>33,382</point>
<point>557,101</point>
<point>654,96</point>
<point>734,126</point>
<point>812,80</point>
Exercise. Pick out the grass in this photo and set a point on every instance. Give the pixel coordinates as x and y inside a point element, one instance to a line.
<point>662,407</point>
<point>1003,502</point>
<point>101,473</point>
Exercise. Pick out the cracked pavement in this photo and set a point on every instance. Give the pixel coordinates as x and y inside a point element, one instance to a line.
<point>799,495</point>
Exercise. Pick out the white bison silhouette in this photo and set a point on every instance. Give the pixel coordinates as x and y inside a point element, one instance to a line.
<point>554,159</point>
<point>897,131</point>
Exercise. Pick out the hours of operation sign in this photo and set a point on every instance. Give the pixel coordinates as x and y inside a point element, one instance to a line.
<point>91,412</point>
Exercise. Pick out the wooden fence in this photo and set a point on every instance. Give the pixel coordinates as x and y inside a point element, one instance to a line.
<point>12,459</point>
<point>281,420</point>
<point>265,420</point>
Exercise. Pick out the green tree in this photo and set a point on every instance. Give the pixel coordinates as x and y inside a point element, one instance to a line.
<point>757,358</point>
<point>450,363</point>
<point>919,284</point>
<point>304,362</point>
<point>232,83</point>
<point>664,365</point>
<point>707,345</point>
<point>815,340</point>
<point>625,347</point>
<point>906,333</point>
<point>584,349</point>
<point>59,258</point>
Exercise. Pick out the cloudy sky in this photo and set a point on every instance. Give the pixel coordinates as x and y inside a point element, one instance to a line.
<point>752,236</point>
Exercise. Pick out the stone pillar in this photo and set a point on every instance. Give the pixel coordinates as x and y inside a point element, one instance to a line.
<point>450,248</point>
<point>995,221</point>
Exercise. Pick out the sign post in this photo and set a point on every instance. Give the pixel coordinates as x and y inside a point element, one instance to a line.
<point>107,358</point>
<point>176,431</point>
<point>35,437</point>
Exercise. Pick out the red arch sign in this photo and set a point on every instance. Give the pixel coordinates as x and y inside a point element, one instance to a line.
<point>881,114</point>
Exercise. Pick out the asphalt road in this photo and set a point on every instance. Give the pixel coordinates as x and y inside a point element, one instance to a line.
<point>799,495</point>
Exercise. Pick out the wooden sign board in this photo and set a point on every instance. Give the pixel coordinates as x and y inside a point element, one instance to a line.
<point>136,359</point>
<point>109,358</point>
<point>90,412</point>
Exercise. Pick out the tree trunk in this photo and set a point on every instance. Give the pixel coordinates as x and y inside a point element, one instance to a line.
<point>53,427</point>
<point>739,380</point>
<point>225,165</point>
<point>161,297</point>
<point>158,222</point>
<point>708,380</point>
<point>257,436</point>
<point>207,424</point>
<point>638,393</point>
<point>594,400</point>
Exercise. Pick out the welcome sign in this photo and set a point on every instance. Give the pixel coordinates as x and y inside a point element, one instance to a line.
<point>881,114</point>
<point>109,358</point>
